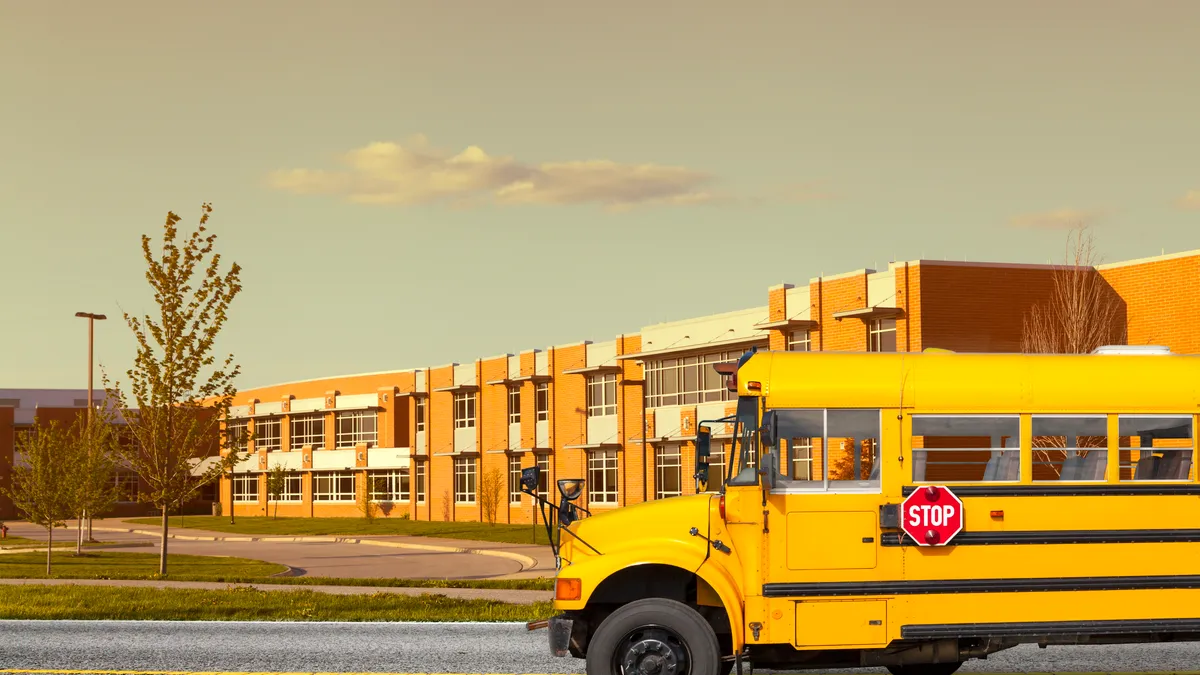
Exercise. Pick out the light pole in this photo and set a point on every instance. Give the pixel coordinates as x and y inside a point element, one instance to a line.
<point>92,319</point>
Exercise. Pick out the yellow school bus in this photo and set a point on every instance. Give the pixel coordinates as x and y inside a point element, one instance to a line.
<point>1080,519</point>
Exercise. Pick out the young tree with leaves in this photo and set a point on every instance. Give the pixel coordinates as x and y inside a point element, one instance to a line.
<point>41,489</point>
<point>177,393</point>
<point>96,439</point>
<point>276,484</point>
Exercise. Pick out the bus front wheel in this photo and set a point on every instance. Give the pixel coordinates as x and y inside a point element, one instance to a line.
<point>654,635</point>
<point>926,669</point>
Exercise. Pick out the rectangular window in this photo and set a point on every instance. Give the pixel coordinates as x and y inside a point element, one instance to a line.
<point>514,479</point>
<point>420,482</point>
<point>543,465</point>
<point>292,488</point>
<point>356,426</point>
<point>308,429</point>
<point>266,433</point>
<point>1156,447</point>
<point>334,487</point>
<point>542,401</point>
<point>829,449</point>
<point>514,405</point>
<point>464,480</point>
<point>421,413</point>
<point>237,432</point>
<point>464,410</point>
<point>882,334</point>
<point>245,487</point>
<point>602,395</point>
<point>668,472</point>
<point>602,477</point>
<point>1070,447</point>
<point>687,380</point>
<point>799,341</point>
<point>966,448</point>
<point>126,483</point>
<point>389,486</point>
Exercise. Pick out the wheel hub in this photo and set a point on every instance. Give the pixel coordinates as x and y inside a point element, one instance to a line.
<point>654,652</point>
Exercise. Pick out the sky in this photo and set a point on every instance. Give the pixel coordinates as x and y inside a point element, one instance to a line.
<point>408,184</point>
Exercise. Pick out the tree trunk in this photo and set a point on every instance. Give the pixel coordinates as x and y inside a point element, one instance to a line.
<point>162,557</point>
<point>79,537</point>
<point>89,528</point>
<point>49,546</point>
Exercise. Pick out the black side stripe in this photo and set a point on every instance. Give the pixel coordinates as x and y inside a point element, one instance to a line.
<point>1040,629</point>
<point>1067,490</point>
<point>893,539</point>
<point>946,586</point>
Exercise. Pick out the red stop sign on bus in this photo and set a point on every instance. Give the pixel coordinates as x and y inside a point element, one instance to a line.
<point>931,515</point>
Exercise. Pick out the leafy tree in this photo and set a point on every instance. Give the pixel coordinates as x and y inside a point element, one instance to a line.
<point>96,439</point>
<point>276,484</point>
<point>41,489</point>
<point>177,392</point>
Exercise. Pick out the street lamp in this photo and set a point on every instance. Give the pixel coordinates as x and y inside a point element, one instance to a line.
<point>92,319</point>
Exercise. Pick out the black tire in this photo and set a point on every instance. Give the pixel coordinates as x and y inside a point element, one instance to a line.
<point>667,630</point>
<point>926,669</point>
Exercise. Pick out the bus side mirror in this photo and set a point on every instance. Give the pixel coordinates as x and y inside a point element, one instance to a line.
<point>703,451</point>
<point>769,431</point>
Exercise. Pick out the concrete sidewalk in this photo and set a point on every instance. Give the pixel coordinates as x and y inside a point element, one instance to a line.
<point>497,594</point>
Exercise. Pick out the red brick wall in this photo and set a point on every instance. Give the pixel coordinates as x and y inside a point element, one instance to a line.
<point>1162,301</point>
<point>975,308</point>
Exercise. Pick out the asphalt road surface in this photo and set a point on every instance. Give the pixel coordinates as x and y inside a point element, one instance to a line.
<point>415,648</point>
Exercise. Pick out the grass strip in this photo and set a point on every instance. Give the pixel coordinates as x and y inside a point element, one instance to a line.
<point>248,604</point>
<point>144,567</point>
<point>315,527</point>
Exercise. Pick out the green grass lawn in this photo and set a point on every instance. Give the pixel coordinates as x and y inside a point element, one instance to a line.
<point>261,525</point>
<point>107,565</point>
<point>248,604</point>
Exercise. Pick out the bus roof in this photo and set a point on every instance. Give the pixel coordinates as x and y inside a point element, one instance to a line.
<point>977,383</point>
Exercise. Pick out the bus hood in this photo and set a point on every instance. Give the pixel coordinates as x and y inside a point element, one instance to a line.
<point>641,526</point>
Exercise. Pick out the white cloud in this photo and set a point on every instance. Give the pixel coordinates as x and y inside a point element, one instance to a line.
<point>1190,201</point>
<point>1058,219</point>
<point>415,173</point>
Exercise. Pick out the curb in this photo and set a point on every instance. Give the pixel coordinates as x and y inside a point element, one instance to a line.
<point>526,562</point>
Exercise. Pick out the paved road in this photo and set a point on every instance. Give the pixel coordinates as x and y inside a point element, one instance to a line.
<point>415,648</point>
<point>325,559</point>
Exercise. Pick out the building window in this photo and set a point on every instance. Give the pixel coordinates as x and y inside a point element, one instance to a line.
<point>688,380</point>
<point>882,335</point>
<point>333,487</point>
<point>799,341</point>
<point>308,430</point>
<point>602,477</point>
<point>126,483</point>
<point>514,405</point>
<point>514,480</point>
<point>421,414</point>
<point>389,486</point>
<point>245,487</point>
<point>357,426</point>
<point>464,480</point>
<point>292,487</point>
<point>543,465</point>
<point>266,433</point>
<point>237,432</point>
<point>542,401</point>
<point>464,410</point>
<point>420,482</point>
<point>602,395</point>
<point>668,469</point>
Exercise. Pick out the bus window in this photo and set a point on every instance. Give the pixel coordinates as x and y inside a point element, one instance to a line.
<point>1155,447</point>
<point>1070,447</point>
<point>829,449</point>
<point>966,448</point>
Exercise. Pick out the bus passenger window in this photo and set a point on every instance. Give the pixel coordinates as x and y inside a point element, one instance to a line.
<point>1070,448</point>
<point>1156,447</point>
<point>828,449</point>
<point>966,448</point>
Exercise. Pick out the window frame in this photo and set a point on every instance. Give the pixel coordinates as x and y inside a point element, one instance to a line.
<point>1192,469</point>
<point>335,477</point>
<point>673,451</point>
<point>419,481</point>
<point>420,413</point>
<point>613,491</point>
<point>793,341</point>
<point>824,485</point>
<point>264,440</point>
<point>602,395</point>
<point>514,404</point>
<point>1033,462</point>
<point>466,482</point>
<point>465,409</point>
<point>876,331</point>
<point>300,427</point>
<point>514,479</point>
<point>244,479</point>
<point>357,431</point>
<point>1020,480</point>
<point>541,401</point>
<point>398,484</point>
<point>289,496</point>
